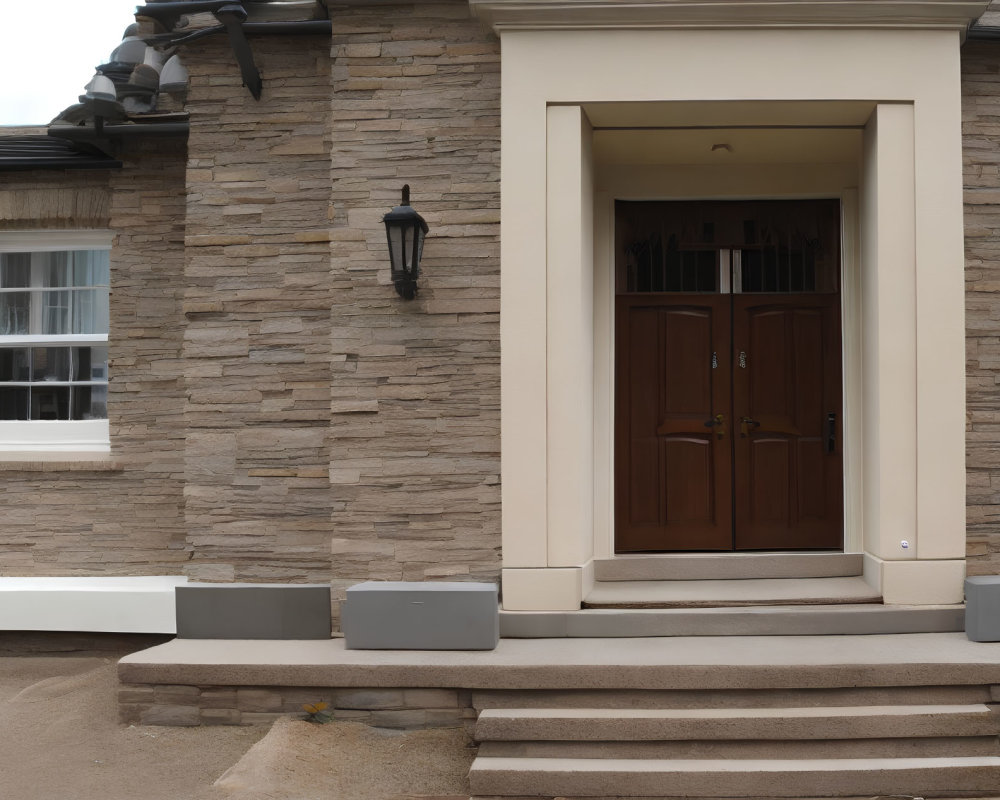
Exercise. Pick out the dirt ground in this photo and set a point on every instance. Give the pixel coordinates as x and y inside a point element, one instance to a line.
<point>59,738</point>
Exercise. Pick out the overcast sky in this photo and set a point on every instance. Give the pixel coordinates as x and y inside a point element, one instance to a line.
<point>48,51</point>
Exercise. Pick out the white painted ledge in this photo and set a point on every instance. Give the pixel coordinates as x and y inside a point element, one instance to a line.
<point>575,14</point>
<point>141,604</point>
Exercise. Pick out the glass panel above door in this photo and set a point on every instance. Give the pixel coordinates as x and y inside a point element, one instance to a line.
<point>776,246</point>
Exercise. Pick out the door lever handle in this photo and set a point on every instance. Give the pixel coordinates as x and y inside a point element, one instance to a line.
<point>747,425</point>
<point>831,432</point>
<point>719,423</point>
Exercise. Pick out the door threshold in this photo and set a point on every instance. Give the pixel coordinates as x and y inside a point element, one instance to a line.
<point>728,566</point>
<point>731,593</point>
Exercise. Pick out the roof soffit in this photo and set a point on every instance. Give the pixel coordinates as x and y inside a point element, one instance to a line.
<point>504,15</point>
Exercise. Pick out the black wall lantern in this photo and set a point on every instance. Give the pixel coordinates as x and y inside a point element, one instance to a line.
<point>405,230</point>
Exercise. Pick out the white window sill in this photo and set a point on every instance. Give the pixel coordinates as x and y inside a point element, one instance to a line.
<point>55,441</point>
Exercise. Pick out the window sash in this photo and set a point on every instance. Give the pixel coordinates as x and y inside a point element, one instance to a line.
<point>54,293</point>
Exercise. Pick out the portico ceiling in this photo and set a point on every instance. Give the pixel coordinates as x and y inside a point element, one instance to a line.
<point>728,146</point>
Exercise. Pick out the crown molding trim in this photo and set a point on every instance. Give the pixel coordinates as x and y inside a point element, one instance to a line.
<point>504,15</point>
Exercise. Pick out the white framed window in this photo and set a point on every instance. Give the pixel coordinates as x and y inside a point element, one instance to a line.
<point>54,320</point>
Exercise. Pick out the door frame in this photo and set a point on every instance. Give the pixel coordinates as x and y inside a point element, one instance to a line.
<point>604,355</point>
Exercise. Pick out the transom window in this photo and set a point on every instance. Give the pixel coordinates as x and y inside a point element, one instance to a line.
<point>54,320</point>
<point>765,246</point>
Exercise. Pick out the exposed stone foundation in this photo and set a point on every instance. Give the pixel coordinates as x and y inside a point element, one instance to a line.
<point>164,704</point>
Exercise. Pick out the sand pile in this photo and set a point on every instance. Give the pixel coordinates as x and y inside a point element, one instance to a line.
<point>59,738</point>
<point>349,760</point>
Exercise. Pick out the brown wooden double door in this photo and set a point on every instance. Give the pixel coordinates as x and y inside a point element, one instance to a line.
<point>728,421</point>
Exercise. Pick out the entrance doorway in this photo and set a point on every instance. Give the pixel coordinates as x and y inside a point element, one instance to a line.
<point>728,415</point>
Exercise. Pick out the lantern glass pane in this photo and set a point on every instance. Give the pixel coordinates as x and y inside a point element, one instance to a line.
<point>419,232</point>
<point>397,246</point>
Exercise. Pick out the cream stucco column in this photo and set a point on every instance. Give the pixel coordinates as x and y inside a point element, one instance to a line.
<point>913,325</point>
<point>552,569</point>
<point>889,322</point>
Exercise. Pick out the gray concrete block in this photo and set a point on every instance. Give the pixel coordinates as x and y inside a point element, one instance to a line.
<point>421,616</point>
<point>253,611</point>
<point>982,608</point>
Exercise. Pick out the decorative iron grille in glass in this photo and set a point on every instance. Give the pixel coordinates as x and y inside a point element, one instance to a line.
<point>671,246</point>
<point>53,335</point>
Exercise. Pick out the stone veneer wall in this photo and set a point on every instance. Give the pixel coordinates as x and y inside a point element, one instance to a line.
<point>415,450</point>
<point>270,392</point>
<point>258,292</point>
<point>321,405</point>
<point>117,516</point>
<point>981,142</point>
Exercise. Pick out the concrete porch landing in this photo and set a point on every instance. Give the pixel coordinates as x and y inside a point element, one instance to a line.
<point>703,717</point>
<point>704,662</point>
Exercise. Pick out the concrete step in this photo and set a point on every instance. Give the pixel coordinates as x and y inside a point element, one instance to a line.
<point>932,747</point>
<point>727,566</point>
<point>787,620</point>
<point>732,698</point>
<point>832,722</point>
<point>837,777</point>
<point>716,593</point>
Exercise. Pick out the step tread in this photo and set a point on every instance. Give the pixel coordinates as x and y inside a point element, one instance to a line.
<point>702,566</point>
<point>734,765</point>
<point>734,713</point>
<point>724,593</point>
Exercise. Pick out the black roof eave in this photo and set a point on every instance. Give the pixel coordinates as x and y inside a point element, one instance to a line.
<point>24,153</point>
<point>27,164</point>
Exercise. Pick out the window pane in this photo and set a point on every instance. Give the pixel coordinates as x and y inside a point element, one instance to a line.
<point>49,402</point>
<point>14,307</point>
<point>90,267</point>
<point>15,270</point>
<point>55,313</point>
<point>50,363</point>
<point>13,402</point>
<point>14,364</point>
<point>90,402</point>
<point>90,311</point>
<point>55,268</point>
<point>90,364</point>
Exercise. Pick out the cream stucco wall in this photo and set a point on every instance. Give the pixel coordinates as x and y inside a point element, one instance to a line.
<point>903,317</point>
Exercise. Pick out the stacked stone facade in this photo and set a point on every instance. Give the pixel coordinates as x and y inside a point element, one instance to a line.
<point>270,393</point>
<point>321,406</point>
<point>415,456</point>
<point>257,300</point>
<point>981,145</point>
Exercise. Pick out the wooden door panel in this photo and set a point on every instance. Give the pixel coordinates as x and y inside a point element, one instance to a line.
<point>788,482</point>
<point>672,473</point>
<point>690,489</point>
<point>768,476</point>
